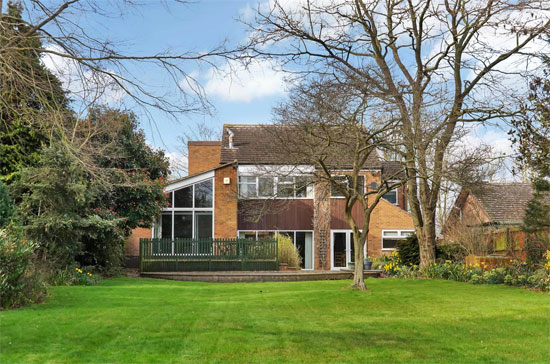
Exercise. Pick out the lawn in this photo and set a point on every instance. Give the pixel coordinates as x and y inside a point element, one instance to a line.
<point>128,320</point>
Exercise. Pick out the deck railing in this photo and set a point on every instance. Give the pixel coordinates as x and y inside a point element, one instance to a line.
<point>167,255</point>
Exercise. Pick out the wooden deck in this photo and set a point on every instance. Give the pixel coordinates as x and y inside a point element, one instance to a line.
<point>265,276</point>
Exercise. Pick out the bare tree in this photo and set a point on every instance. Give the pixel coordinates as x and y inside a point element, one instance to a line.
<point>329,126</point>
<point>436,64</point>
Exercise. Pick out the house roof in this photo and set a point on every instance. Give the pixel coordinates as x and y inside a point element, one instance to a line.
<point>262,144</point>
<point>504,203</point>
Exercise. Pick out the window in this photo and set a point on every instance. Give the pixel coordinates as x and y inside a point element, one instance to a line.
<point>391,197</point>
<point>302,240</point>
<point>184,197</point>
<point>203,194</point>
<point>345,182</point>
<point>183,225</point>
<point>390,238</point>
<point>247,186</point>
<point>203,224</point>
<point>265,186</point>
<point>285,187</point>
<point>191,215</point>
<point>275,187</point>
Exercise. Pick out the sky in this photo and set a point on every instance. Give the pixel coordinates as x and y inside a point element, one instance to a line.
<point>248,96</point>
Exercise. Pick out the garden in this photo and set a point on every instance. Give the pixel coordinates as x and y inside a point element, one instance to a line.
<point>125,320</point>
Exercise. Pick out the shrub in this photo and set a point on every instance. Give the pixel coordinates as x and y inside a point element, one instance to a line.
<point>6,206</point>
<point>20,283</point>
<point>450,251</point>
<point>536,244</point>
<point>409,251</point>
<point>288,254</point>
<point>74,277</point>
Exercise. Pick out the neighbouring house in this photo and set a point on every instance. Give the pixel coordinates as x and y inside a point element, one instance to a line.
<point>496,210</point>
<point>495,204</point>
<point>235,189</point>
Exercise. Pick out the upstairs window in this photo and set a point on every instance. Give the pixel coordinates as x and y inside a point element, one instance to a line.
<point>275,187</point>
<point>247,186</point>
<point>345,182</point>
<point>391,197</point>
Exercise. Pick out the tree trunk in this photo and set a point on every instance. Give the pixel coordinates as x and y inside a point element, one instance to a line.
<point>359,276</point>
<point>426,243</point>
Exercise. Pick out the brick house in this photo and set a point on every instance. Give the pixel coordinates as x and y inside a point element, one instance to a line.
<point>235,188</point>
<point>496,204</point>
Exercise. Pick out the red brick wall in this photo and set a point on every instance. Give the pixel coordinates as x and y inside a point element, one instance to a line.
<point>203,156</point>
<point>225,203</point>
<point>132,242</point>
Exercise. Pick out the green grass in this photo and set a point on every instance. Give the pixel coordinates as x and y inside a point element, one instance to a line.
<point>128,320</point>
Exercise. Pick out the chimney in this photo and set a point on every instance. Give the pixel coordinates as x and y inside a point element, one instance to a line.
<point>230,138</point>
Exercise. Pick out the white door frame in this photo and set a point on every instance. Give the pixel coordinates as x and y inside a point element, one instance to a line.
<point>349,241</point>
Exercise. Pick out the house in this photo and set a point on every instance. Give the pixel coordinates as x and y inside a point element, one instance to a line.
<point>243,187</point>
<point>491,213</point>
<point>491,204</point>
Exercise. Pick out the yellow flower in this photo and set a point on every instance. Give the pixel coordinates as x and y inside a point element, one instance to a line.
<point>511,261</point>
<point>448,261</point>
<point>470,271</point>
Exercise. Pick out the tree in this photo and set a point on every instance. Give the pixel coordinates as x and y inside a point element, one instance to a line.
<point>330,126</point>
<point>30,93</point>
<point>436,66</point>
<point>79,215</point>
<point>531,134</point>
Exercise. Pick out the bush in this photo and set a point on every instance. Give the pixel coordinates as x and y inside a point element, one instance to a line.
<point>6,206</point>
<point>20,283</point>
<point>409,251</point>
<point>450,251</point>
<point>288,254</point>
<point>514,274</point>
<point>536,244</point>
<point>74,277</point>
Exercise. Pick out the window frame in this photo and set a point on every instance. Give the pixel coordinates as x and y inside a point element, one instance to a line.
<point>396,190</point>
<point>309,188</point>
<point>400,236</point>
<point>173,210</point>
<point>347,180</point>
<point>293,239</point>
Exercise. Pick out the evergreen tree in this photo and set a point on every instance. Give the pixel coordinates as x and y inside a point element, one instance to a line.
<point>30,96</point>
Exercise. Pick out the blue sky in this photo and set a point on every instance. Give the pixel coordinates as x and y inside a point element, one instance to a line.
<point>245,97</point>
<point>197,27</point>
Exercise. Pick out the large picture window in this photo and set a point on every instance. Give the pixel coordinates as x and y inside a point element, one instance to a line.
<point>275,187</point>
<point>191,215</point>
<point>302,240</point>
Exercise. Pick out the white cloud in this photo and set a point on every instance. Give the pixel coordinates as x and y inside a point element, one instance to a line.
<point>82,83</point>
<point>178,164</point>
<point>235,82</point>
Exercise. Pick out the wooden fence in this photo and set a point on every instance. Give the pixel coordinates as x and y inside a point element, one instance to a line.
<point>179,255</point>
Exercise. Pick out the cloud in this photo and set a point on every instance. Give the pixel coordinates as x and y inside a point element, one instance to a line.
<point>236,82</point>
<point>178,164</point>
<point>82,83</point>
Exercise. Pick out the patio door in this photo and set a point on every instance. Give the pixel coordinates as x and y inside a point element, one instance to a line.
<point>343,250</point>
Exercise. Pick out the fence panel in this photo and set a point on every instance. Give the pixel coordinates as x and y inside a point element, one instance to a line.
<point>166,255</point>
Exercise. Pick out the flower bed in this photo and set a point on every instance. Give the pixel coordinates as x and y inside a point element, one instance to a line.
<point>515,273</point>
